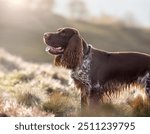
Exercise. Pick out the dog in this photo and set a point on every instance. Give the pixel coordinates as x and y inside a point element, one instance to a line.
<point>96,72</point>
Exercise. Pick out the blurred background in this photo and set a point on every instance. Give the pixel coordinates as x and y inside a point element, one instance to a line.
<point>36,88</point>
<point>112,25</point>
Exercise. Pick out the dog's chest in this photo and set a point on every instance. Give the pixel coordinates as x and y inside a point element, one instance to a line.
<point>82,73</point>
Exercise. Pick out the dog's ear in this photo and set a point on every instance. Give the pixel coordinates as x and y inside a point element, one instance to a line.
<point>72,56</point>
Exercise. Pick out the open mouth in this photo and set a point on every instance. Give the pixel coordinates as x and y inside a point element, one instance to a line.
<point>54,50</point>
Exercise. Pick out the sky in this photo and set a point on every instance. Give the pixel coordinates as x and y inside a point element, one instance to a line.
<point>118,8</point>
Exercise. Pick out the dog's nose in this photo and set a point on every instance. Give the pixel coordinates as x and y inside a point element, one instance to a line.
<point>46,35</point>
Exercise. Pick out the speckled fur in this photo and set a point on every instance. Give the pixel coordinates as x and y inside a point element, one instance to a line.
<point>82,73</point>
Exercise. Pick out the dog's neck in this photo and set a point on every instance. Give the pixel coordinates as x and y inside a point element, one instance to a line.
<point>81,73</point>
<point>86,47</point>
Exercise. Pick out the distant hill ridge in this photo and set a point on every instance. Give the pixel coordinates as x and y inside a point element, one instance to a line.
<point>22,35</point>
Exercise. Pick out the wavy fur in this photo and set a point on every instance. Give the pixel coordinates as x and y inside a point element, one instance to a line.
<point>72,56</point>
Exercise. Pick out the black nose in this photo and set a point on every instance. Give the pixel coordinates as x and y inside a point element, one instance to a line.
<point>46,35</point>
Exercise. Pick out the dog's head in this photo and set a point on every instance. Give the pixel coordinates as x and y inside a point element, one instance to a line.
<point>66,43</point>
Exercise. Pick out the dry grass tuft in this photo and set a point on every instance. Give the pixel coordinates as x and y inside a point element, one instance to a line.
<point>61,105</point>
<point>28,99</point>
<point>140,106</point>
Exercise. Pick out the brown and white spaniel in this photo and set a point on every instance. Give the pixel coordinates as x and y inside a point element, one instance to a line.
<point>96,72</point>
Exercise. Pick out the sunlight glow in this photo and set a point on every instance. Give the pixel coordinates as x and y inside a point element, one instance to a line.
<point>16,3</point>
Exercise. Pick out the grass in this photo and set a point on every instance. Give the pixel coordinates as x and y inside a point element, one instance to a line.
<point>34,89</point>
<point>140,106</point>
<point>28,99</point>
<point>61,105</point>
<point>31,86</point>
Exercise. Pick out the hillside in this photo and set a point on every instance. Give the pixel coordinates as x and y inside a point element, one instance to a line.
<point>21,34</point>
<point>28,89</point>
<point>33,89</point>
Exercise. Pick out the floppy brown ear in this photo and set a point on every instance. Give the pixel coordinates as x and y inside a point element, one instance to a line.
<point>72,56</point>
